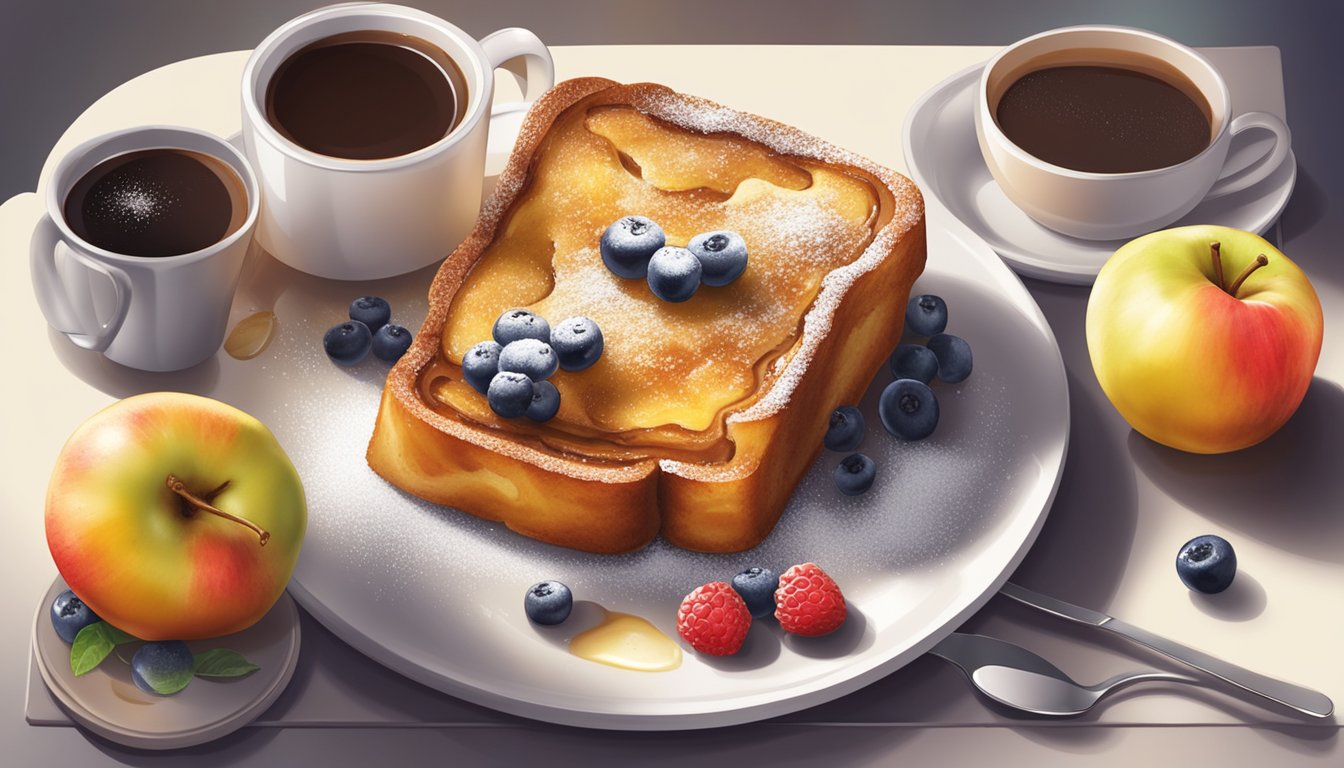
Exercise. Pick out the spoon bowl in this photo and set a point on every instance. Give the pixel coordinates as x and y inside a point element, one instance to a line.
<point>1044,694</point>
<point>1018,678</point>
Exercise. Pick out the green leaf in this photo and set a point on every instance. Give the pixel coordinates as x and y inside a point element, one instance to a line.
<point>222,662</point>
<point>117,636</point>
<point>93,644</point>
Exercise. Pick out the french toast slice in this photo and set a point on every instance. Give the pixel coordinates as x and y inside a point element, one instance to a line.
<point>700,417</point>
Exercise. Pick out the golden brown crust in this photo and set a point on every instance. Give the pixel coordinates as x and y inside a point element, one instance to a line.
<point>600,506</point>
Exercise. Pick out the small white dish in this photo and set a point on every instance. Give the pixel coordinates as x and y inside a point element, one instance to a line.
<point>106,702</point>
<point>945,161</point>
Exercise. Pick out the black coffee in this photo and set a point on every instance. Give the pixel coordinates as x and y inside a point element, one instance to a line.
<point>1105,119</point>
<point>157,202</point>
<point>366,95</point>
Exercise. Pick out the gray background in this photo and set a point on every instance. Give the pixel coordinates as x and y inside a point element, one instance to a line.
<point>58,57</point>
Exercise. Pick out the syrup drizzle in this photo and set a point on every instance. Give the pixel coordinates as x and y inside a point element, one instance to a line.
<point>251,336</point>
<point>260,284</point>
<point>656,393</point>
<point>627,641</point>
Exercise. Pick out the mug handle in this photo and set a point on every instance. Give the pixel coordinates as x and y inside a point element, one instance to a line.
<point>1257,171</point>
<point>523,54</point>
<point>71,314</point>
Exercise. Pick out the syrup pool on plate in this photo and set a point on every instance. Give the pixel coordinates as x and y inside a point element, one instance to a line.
<point>251,335</point>
<point>627,641</point>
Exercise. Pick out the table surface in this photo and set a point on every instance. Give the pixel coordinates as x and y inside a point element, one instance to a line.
<point>1123,507</point>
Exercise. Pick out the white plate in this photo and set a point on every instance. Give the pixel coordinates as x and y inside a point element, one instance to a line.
<point>106,701</point>
<point>945,161</point>
<point>437,594</point>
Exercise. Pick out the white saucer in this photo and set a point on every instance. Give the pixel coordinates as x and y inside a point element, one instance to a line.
<point>944,159</point>
<point>106,702</point>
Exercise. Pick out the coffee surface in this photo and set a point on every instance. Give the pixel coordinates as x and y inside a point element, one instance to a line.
<point>366,95</point>
<point>1104,119</point>
<point>157,202</point>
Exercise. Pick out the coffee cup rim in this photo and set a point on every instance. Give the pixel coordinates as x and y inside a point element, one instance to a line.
<point>479,85</point>
<point>222,149</point>
<point>988,123</point>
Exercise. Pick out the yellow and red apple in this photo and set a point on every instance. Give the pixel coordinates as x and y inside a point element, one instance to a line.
<point>175,517</point>
<point>1204,338</point>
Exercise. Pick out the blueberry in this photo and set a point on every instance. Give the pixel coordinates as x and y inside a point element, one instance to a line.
<point>926,315</point>
<point>674,274</point>
<point>530,357</point>
<point>518,324</point>
<point>480,365</point>
<point>510,394</point>
<point>577,342</point>
<point>391,342</point>
<point>628,244</point>
<point>162,667</point>
<point>372,311</point>
<point>69,614</point>
<point>1207,564</point>
<point>757,587</point>
<point>545,401</point>
<point>348,343</point>
<point>846,429</point>
<point>548,602</point>
<point>908,409</point>
<point>914,361</point>
<point>854,474</point>
<point>954,357</point>
<point>722,255</point>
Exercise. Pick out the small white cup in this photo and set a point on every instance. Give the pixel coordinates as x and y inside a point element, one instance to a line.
<point>152,313</point>
<point>1111,206</point>
<point>365,219</point>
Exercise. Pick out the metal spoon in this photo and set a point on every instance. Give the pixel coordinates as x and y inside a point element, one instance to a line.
<point>1048,695</point>
<point>1018,678</point>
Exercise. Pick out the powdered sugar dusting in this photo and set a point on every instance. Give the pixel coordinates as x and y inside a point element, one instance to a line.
<point>702,115</point>
<point>438,593</point>
<point>685,364</point>
<point>932,500</point>
<point>699,116</point>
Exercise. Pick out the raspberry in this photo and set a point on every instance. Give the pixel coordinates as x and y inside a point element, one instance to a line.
<point>808,602</point>
<point>714,619</point>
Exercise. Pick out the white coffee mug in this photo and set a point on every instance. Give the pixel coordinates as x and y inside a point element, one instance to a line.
<point>364,219</point>
<point>1110,206</point>
<point>161,313</point>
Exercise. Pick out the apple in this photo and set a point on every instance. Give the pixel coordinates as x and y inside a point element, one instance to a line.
<point>1204,338</point>
<point>175,517</point>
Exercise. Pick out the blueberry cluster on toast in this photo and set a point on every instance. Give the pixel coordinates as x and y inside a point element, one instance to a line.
<point>700,416</point>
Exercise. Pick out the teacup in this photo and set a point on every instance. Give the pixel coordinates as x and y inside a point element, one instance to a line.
<point>1117,204</point>
<point>353,198</point>
<point>139,251</point>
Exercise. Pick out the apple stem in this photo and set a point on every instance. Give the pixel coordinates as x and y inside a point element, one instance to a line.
<point>1215,251</point>
<point>210,497</point>
<point>1259,262</point>
<point>180,488</point>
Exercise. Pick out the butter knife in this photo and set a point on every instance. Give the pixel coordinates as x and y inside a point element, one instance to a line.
<point>1295,697</point>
